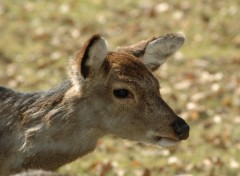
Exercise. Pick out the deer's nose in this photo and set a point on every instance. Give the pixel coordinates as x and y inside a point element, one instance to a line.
<point>181,128</point>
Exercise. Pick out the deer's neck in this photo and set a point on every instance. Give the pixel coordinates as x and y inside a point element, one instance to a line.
<point>64,133</point>
<point>52,132</point>
<point>59,148</point>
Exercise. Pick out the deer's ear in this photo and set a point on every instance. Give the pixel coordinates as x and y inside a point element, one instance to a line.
<point>158,50</point>
<point>89,59</point>
<point>154,52</point>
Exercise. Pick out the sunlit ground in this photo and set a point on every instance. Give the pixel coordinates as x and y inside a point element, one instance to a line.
<point>201,82</point>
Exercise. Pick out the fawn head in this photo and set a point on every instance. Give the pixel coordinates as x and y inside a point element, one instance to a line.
<point>122,94</point>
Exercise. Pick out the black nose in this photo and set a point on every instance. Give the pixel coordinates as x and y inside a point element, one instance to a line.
<point>181,128</point>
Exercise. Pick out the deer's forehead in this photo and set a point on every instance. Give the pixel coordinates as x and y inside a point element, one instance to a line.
<point>127,64</point>
<point>128,68</point>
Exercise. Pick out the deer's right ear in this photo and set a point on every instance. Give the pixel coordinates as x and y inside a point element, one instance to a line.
<point>89,59</point>
<point>154,52</point>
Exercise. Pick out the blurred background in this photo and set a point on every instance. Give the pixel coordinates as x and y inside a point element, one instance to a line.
<point>201,82</point>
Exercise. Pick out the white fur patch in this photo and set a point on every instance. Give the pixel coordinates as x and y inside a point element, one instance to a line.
<point>165,142</point>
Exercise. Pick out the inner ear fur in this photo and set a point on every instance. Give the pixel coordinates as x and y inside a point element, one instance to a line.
<point>89,59</point>
<point>155,51</point>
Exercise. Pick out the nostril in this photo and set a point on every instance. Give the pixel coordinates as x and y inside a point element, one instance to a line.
<point>186,127</point>
<point>178,130</point>
<point>181,129</point>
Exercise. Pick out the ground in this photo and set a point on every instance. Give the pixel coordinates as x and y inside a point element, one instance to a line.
<point>201,82</point>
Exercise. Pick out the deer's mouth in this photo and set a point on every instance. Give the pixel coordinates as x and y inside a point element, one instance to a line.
<point>158,139</point>
<point>165,142</point>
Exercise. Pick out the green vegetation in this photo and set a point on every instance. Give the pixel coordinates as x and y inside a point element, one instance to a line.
<point>201,82</point>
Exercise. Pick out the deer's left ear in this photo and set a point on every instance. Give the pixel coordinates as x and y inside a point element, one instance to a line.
<point>154,52</point>
<point>88,60</point>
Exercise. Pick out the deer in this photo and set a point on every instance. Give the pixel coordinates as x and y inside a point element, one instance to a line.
<point>107,92</point>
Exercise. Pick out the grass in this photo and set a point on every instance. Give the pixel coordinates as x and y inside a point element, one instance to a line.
<point>201,82</point>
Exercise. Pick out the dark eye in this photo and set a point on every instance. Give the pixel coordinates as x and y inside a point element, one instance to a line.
<point>121,93</point>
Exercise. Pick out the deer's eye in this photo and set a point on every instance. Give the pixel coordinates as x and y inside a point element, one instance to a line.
<point>121,93</point>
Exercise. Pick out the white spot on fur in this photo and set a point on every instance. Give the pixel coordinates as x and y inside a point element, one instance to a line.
<point>27,135</point>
